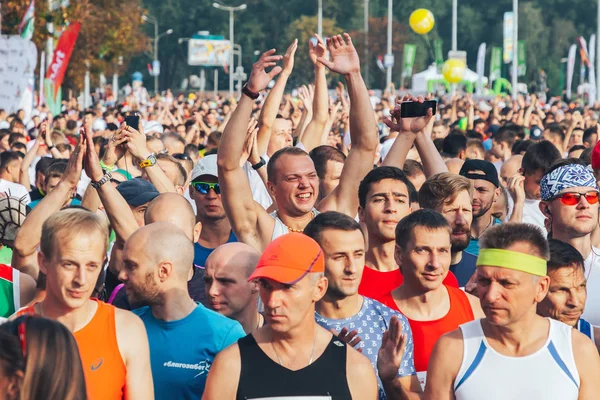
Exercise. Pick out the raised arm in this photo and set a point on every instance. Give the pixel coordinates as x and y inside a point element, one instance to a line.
<point>363,127</point>
<point>249,220</point>
<point>27,160</point>
<point>306,94</point>
<point>270,109</point>
<point>313,134</point>
<point>29,235</point>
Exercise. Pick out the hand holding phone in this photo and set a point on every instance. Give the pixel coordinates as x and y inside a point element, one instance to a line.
<point>133,121</point>
<point>414,109</point>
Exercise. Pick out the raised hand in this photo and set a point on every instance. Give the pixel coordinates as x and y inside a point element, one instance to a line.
<point>114,149</point>
<point>391,352</point>
<point>136,142</point>
<point>259,77</point>
<point>351,338</point>
<point>516,188</point>
<point>75,165</point>
<point>316,51</point>
<point>250,140</point>
<point>288,58</point>
<point>413,125</point>
<point>306,94</point>
<point>344,58</point>
<point>91,161</point>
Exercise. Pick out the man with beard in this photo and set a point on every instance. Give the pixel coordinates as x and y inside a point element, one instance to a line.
<point>570,201</point>
<point>451,195</point>
<point>484,177</point>
<point>513,353</point>
<point>567,293</point>
<point>184,336</point>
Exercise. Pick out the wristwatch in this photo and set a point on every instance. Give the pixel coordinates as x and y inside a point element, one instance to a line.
<point>107,177</point>
<point>259,164</point>
<point>250,93</point>
<point>149,161</point>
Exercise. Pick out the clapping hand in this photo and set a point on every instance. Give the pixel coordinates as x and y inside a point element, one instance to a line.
<point>344,58</point>
<point>259,77</point>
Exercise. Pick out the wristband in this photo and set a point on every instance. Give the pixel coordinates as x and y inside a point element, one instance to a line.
<point>250,93</point>
<point>50,147</point>
<point>111,168</point>
<point>259,164</point>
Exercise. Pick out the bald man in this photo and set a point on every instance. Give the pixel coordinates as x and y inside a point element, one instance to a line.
<point>228,291</point>
<point>510,168</point>
<point>173,208</point>
<point>184,336</point>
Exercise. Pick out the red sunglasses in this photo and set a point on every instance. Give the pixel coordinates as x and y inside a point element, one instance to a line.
<point>573,198</point>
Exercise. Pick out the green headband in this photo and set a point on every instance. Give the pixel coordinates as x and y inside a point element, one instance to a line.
<point>512,260</point>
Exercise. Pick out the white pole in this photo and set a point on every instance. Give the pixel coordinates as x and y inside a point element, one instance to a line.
<point>231,62</point>
<point>454,25</point>
<point>367,61</point>
<point>515,61</point>
<point>115,87</point>
<point>216,85</point>
<point>42,75</point>
<point>86,94</point>
<point>320,19</point>
<point>389,41</point>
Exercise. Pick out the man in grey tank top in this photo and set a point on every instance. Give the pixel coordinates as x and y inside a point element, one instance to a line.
<point>291,176</point>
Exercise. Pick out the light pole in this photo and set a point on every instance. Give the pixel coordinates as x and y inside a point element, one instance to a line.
<point>320,18</point>
<point>367,42</point>
<point>454,25</point>
<point>153,20</point>
<point>515,61</point>
<point>389,43</point>
<point>231,42</point>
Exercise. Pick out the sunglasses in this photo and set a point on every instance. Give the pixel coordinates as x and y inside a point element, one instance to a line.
<point>204,187</point>
<point>572,198</point>
<point>181,156</point>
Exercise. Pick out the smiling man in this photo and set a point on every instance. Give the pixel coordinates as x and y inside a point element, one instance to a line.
<point>567,293</point>
<point>513,353</point>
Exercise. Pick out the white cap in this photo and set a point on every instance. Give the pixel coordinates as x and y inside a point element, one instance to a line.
<point>206,166</point>
<point>153,126</point>
<point>98,125</point>
<point>485,107</point>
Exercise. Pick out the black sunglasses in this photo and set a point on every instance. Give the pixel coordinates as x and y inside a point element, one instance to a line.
<point>181,156</point>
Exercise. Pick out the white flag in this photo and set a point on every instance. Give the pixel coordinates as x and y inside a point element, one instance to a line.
<point>480,68</point>
<point>570,68</point>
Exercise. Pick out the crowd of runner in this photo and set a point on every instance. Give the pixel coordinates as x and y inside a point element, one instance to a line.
<point>306,245</point>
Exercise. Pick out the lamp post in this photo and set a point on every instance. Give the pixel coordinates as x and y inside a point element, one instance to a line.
<point>367,61</point>
<point>320,18</point>
<point>515,61</point>
<point>231,42</point>
<point>389,62</point>
<point>154,21</point>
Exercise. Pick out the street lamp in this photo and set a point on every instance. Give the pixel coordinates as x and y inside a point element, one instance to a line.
<point>148,18</point>
<point>389,56</point>
<point>320,18</point>
<point>231,42</point>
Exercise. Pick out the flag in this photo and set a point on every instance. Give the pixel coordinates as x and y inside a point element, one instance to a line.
<point>438,52</point>
<point>522,60</point>
<point>508,37</point>
<point>408,60</point>
<point>592,58</point>
<point>480,67</point>
<point>62,54</point>
<point>496,64</point>
<point>26,25</point>
<point>570,68</point>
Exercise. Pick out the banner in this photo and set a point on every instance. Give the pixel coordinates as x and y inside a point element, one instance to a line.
<point>208,53</point>
<point>508,37</point>
<point>522,61</point>
<point>408,63</point>
<point>570,68</point>
<point>585,62</point>
<point>496,64</point>
<point>592,58</point>
<point>480,68</point>
<point>62,54</point>
<point>438,51</point>
<point>27,18</point>
<point>18,59</point>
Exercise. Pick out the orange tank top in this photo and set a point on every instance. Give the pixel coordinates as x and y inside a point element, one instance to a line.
<point>103,366</point>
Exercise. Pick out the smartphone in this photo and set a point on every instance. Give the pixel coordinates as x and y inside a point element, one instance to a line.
<point>133,121</point>
<point>413,109</point>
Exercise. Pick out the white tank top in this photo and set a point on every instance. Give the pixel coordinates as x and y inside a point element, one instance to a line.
<point>549,373</point>
<point>280,229</point>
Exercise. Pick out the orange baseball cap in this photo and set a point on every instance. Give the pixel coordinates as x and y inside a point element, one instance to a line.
<point>289,258</point>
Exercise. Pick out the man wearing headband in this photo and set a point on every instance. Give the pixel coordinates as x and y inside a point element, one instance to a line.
<point>513,353</point>
<point>570,201</point>
<point>484,176</point>
<point>566,296</point>
<point>291,355</point>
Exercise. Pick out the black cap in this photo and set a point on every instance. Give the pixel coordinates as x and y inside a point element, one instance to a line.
<point>490,174</point>
<point>137,191</point>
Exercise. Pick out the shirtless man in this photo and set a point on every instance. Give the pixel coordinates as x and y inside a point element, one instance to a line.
<point>513,352</point>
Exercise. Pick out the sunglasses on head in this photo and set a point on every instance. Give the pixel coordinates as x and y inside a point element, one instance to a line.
<point>573,198</point>
<point>181,156</point>
<point>204,187</point>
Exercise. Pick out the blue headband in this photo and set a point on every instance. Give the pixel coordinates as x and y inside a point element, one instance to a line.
<point>566,177</point>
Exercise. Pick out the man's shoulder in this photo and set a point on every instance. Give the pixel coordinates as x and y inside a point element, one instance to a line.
<point>140,312</point>
<point>216,321</point>
<point>381,309</point>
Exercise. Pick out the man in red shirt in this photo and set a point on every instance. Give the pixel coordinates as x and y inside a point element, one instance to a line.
<point>423,251</point>
<point>384,200</point>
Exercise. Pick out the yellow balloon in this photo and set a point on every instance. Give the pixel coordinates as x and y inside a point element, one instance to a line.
<point>454,70</point>
<point>421,21</point>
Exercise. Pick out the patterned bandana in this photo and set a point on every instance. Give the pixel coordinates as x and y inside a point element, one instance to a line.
<point>565,177</point>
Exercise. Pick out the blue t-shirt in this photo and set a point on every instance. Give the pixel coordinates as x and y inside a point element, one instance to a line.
<point>74,202</point>
<point>465,269</point>
<point>201,253</point>
<point>371,322</point>
<point>473,246</point>
<point>181,352</point>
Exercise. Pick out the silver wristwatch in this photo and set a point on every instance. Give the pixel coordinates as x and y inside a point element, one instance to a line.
<point>107,177</point>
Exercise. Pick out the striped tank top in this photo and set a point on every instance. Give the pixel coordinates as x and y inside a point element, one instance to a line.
<point>10,294</point>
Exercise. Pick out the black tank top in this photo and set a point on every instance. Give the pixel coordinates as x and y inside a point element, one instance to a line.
<point>261,377</point>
